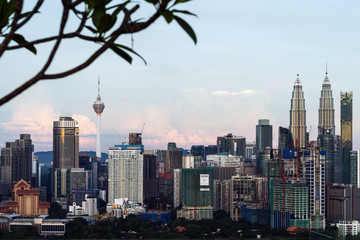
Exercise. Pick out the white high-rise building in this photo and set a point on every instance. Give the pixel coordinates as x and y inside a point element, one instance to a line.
<point>98,108</point>
<point>125,174</point>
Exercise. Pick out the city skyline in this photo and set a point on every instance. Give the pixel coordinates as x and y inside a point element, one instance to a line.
<point>242,72</point>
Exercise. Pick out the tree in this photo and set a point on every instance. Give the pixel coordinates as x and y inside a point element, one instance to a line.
<point>56,211</point>
<point>99,21</point>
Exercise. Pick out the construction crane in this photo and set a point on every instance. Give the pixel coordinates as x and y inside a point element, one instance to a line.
<point>142,129</point>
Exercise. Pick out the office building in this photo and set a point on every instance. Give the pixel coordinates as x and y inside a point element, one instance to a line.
<point>66,143</point>
<point>263,134</point>
<point>171,146</point>
<point>326,108</point>
<point>326,143</point>
<point>342,203</point>
<point>173,160</point>
<point>346,133</point>
<point>67,179</point>
<point>231,144</point>
<point>135,139</point>
<point>298,115</point>
<point>198,150</point>
<point>355,168</point>
<point>250,151</point>
<point>211,149</point>
<point>177,188</point>
<point>125,179</point>
<point>286,140</point>
<point>16,160</point>
<point>149,174</point>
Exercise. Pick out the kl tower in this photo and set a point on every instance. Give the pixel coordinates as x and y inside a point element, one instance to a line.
<point>98,108</point>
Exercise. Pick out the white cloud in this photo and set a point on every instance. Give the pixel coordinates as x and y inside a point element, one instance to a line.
<point>244,93</point>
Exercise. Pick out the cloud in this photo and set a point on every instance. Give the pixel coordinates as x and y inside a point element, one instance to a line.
<point>87,132</point>
<point>244,93</point>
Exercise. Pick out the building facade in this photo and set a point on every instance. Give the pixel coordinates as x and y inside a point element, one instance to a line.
<point>231,144</point>
<point>66,143</point>
<point>263,134</point>
<point>346,133</point>
<point>125,179</point>
<point>298,115</point>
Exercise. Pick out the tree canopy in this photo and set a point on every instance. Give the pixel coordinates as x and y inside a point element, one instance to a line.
<point>100,22</point>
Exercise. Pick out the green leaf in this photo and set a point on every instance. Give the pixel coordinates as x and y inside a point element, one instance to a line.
<point>130,50</point>
<point>98,13</point>
<point>91,29</point>
<point>168,15</point>
<point>121,53</point>
<point>187,28</point>
<point>20,40</point>
<point>10,8</point>
<point>106,23</point>
<point>184,12</point>
<point>26,14</point>
<point>152,1</point>
<point>181,1</point>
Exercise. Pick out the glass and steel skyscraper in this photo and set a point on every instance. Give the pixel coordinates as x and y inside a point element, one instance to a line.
<point>298,115</point>
<point>263,134</point>
<point>326,128</point>
<point>66,143</point>
<point>326,108</point>
<point>346,133</point>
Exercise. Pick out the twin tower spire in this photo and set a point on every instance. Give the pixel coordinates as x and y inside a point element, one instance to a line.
<point>298,112</point>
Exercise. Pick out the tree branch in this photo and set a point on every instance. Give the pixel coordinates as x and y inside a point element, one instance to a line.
<point>35,9</point>
<point>5,43</point>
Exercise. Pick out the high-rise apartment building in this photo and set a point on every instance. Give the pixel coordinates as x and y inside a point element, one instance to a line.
<point>326,108</point>
<point>66,143</point>
<point>263,134</point>
<point>346,133</point>
<point>298,115</point>
<point>125,179</point>
<point>16,160</point>
<point>173,160</point>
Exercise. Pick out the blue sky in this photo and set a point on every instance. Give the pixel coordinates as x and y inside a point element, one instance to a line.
<point>242,69</point>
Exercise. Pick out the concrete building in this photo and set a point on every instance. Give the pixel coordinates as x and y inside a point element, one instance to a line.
<point>125,179</point>
<point>149,174</point>
<point>326,143</point>
<point>250,151</point>
<point>233,145</point>
<point>346,133</point>
<point>26,200</point>
<point>298,115</point>
<point>286,140</point>
<point>342,203</point>
<point>66,143</point>
<point>88,207</point>
<point>177,188</point>
<point>65,180</point>
<point>196,193</point>
<point>348,227</point>
<point>263,134</point>
<point>173,160</point>
<point>289,203</point>
<point>245,189</point>
<point>191,161</point>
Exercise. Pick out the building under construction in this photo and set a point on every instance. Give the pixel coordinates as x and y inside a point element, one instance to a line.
<point>245,189</point>
<point>197,193</point>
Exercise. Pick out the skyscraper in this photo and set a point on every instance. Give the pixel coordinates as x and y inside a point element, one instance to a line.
<point>66,143</point>
<point>125,179</point>
<point>263,134</point>
<point>326,143</point>
<point>298,115</point>
<point>285,139</point>
<point>98,108</point>
<point>234,145</point>
<point>346,133</point>
<point>326,108</point>
<point>16,160</point>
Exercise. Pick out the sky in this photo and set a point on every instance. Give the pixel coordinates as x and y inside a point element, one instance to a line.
<point>242,69</point>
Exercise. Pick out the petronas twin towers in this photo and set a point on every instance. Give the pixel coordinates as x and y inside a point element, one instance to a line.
<point>298,112</point>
